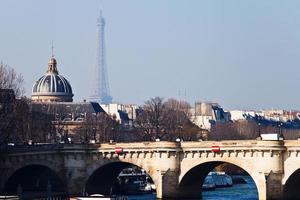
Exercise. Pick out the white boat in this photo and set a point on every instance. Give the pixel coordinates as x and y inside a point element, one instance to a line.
<point>221,179</point>
<point>208,183</point>
<point>100,197</point>
<point>216,180</point>
<point>134,183</point>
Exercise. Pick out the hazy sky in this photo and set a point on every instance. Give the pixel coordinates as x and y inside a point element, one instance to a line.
<point>242,54</point>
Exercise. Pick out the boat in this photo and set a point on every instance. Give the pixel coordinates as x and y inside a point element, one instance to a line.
<point>208,183</point>
<point>100,197</point>
<point>134,182</point>
<point>10,197</point>
<point>221,179</point>
<point>216,180</point>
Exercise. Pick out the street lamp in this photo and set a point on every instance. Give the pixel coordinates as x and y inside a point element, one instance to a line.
<point>259,124</point>
<point>113,133</point>
<point>66,135</point>
<point>58,128</point>
<point>83,135</point>
<point>280,128</point>
<point>94,133</point>
<point>86,135</point>
<point>180,134</point>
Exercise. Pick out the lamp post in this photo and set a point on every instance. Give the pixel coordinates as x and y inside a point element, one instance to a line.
<point>280,128</point>
<point>180,134</point>
<point>86,136</point>
<point>113,133</point>
<point>66,136</point>
<point>94,133</point>
<point>57,127</point>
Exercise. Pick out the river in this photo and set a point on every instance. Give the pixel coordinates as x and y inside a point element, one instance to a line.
<point>237,192</point>
<point>246,191</point>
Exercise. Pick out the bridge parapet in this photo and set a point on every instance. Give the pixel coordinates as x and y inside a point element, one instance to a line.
<point>235,148</point>
<point>31,148</point>
<point>164,146</point>
<point>292,145</point>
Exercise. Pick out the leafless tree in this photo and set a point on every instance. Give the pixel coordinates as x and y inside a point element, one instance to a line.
<point>150,118</point>
<point>9,109</point>
<point>22,119</point>
<point>57,115</point>
<point>179,105</point>
<point>166,120</point>
<point>237,130</point>
<point>99,127</point>
<point>177,118</point>
<point>10,79</point>
<point>40,127</point>
<point>14,120</point>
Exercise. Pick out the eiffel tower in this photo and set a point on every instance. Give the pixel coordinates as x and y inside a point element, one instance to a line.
<point>100,90</point>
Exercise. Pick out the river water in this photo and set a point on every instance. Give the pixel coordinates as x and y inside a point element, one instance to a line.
<point>237,192</point>
<point>246,191</point>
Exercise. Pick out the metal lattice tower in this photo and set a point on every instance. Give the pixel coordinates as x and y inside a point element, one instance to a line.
<point>100,91</point>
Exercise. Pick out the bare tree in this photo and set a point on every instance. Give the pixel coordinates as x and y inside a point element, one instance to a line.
<point>57,115</point>
<point>14,120</point>
<point>9,79</point>
<point>9,124</point>
<point>238,130</point>
<point>150,118</point>
<point>166,120</point>
<point>22,119</point>
<point>179,105</point>
<point>106,127</point>
<point>99,127</point>
<point>40,127</point>
<point>176,116</point>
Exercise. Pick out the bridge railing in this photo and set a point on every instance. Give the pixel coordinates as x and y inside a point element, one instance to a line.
<point>46,147</point>
<point>229,144</point>
<point>26,148</point>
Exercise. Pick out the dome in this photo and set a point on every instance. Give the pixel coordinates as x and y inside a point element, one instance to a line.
<point>52,86</point>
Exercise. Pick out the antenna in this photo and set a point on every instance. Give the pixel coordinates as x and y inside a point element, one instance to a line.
<point>101,5</point>
<point>52,50</point>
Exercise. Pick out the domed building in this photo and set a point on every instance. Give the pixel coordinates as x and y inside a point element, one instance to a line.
<point>52,87</point>
<point>52,100</point>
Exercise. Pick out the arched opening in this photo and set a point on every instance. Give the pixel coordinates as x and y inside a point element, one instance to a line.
<point>34,181</point>
<point>120,178</point>
<point>214,180</point>
<point>291,187</point>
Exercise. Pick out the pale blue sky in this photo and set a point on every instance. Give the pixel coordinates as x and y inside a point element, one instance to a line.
<point>242,54</point>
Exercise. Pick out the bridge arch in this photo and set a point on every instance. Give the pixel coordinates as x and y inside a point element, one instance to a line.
<point>291,182</point>
<point>192,176</point>
<point>35,178</point>
<point>103,178</point>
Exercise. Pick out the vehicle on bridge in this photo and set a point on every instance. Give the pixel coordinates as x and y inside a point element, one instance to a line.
<point>271,136</point>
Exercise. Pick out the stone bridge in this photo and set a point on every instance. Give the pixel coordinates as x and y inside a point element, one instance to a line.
<point>177,168</point>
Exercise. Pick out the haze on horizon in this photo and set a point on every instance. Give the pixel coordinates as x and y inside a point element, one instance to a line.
<point>241,54</point>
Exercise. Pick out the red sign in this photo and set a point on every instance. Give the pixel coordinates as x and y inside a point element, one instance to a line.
<point>118,150</point>
<point>215,149</point>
